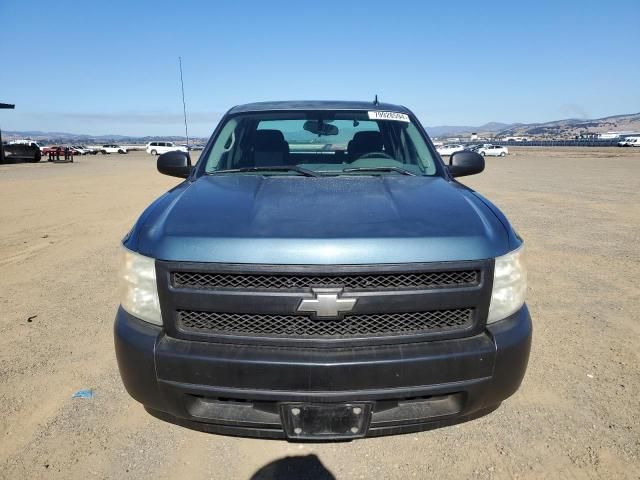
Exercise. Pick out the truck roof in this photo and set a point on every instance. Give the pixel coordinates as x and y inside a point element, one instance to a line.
<point>317,105</point>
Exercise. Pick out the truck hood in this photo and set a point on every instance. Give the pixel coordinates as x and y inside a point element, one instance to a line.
<point>325,220</point>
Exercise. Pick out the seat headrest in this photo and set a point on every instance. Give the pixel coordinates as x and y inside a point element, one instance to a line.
<point>365,142</point>
<point>270,141</point>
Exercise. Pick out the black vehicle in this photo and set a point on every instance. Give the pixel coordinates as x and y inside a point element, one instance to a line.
<point>21,152</point>
<point>321,275</point>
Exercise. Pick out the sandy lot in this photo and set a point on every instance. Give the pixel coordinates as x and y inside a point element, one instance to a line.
<point>577,414</point>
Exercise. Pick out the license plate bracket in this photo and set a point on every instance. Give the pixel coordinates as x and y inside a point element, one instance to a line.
<point>325,421</point>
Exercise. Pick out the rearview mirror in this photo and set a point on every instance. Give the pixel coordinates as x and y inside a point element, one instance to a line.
<point>175,164</point>
<point>319,127</point>
<point>465,163</point>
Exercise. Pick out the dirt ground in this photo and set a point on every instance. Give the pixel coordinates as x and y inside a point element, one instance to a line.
<point>577,414</point>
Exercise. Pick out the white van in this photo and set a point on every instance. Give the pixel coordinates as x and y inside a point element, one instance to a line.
<point>629,142</point>
<point>158,148</point>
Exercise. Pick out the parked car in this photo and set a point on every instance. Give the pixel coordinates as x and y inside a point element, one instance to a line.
<point>629,142</point>
<point>49,149</point>
<point>79,150</point>
<point>59,149</point>
<point>192,147</point>
<point>493,151</point>
<point>84,150</point>
<point>76,150</point>
<point>112,149</point>
<point>158,148</point>
<point>449,149</point>
<point>278,292</point>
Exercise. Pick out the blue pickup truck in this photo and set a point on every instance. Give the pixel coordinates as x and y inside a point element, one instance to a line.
<point>321,275</point>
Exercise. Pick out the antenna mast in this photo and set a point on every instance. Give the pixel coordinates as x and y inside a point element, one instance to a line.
<point>184,105</point>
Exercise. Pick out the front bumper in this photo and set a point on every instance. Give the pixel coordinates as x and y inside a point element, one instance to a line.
<point>239,389</point>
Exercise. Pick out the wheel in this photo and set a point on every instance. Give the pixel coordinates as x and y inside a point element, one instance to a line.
<point>483,154</point>
<point>502,154</point>
<point>153,152</point>
<point>103,152</point>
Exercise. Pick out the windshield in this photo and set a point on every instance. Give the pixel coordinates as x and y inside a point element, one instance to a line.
<point>325,142</point>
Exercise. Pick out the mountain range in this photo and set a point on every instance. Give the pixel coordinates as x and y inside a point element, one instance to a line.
<point>443,130</point>
<point>567,128</point>
<point>81,138</point>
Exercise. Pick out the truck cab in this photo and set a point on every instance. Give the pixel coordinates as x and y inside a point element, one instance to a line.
<point>321,274</point>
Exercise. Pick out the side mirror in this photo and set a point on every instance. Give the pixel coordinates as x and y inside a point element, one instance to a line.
<point>465,163</point>
<point>175,164</point>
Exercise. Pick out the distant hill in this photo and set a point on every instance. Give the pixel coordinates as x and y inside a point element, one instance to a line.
<point>573,126</point>
<point>567,128</point>
<point>449,130</point>
<point>80,138</point>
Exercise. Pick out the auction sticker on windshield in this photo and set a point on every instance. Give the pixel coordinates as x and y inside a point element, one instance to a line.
<point>400,117</point>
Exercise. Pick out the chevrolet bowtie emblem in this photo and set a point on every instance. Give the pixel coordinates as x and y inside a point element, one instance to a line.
<point>327,303</point>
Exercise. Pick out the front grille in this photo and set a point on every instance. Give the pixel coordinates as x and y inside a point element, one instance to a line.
<point>244,324</point>
<point>349,281</point>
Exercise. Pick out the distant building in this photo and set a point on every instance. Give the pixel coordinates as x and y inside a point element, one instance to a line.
<point>616,135</point>
<point>515,139</point>
<point>608,135</point>
<point>587,135</point>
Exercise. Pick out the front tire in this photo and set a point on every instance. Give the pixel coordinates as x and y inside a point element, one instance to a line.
<point>483,154</point>
<point>503,154</point>
<point>154,153</point>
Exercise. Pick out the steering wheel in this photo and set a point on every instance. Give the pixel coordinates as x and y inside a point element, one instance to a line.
<point>376,155</point>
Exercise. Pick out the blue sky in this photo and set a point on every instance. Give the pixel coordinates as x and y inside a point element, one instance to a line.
<point>114,65</point>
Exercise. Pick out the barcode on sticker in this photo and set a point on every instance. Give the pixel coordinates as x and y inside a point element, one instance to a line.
<point>399,117</point>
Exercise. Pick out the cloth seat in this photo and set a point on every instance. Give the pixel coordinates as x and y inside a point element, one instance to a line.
<point>364,142</point>
<point>270,149</point>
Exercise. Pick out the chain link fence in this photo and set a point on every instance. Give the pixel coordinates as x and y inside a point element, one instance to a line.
<point>551,143</point>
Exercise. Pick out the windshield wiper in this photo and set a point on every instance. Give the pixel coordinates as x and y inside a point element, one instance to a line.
<point>277,168</point>
<point>380,169</point>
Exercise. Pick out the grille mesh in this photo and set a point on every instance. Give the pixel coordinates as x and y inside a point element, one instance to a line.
<point>302,326</point>
<point>348,281</point>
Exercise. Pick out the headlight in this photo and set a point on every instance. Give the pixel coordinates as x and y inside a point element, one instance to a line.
<point>139,290</point>
<point>509,285</point>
